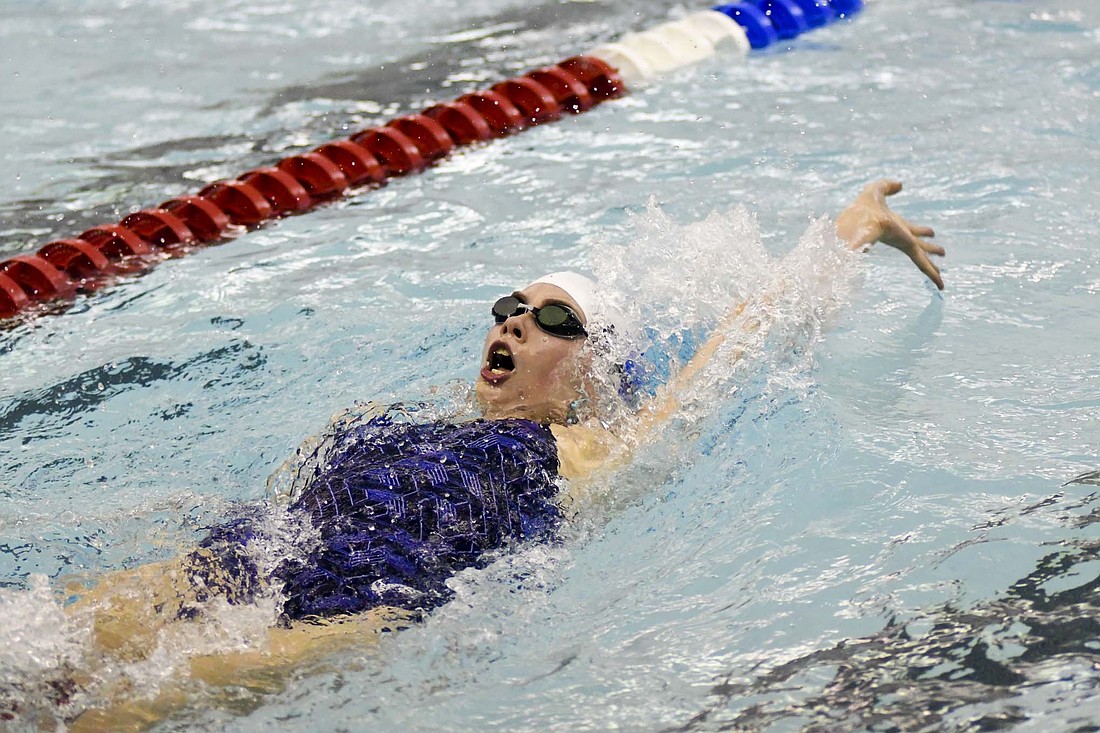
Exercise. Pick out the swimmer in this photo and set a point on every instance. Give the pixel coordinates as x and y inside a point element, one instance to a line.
<point>397,507</point>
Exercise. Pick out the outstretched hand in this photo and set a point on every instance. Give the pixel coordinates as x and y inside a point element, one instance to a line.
<point>869,219</point>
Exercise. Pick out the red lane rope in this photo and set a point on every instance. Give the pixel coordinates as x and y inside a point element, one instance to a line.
<point>66,267</point>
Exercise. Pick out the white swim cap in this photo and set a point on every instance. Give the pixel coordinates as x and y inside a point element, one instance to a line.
<point>580,288</point>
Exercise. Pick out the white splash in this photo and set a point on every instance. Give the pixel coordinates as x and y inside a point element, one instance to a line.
<point>676,286</point>
<point>675,279</point>
<point>36,635</point>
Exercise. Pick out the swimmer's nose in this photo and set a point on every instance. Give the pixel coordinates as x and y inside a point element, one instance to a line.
<point>514,329</point>
<point>514,326</point>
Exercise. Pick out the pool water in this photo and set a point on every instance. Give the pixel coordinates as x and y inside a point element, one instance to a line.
<point>866,523</point>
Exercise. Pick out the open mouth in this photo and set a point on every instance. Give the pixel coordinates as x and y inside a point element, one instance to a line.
<point>499,364</point>
<point>500,360</point>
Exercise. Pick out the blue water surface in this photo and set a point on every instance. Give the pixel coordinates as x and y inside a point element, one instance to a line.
<point>870,530</point>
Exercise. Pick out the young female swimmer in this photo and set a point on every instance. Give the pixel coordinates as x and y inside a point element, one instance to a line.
<point>399,508</point>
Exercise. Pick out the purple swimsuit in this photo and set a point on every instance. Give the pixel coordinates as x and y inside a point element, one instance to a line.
<point>401,508</point>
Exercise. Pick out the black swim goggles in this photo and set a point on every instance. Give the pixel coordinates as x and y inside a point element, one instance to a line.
<point>555,319</point>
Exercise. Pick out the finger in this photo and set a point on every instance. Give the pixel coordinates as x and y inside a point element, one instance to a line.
<point>928,268</point>
<point>880,189</point>
<point>932,249</point>
<point>917,229</point>
<point>888,187</point>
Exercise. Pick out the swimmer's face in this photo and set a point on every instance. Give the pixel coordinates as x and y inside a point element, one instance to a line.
<point>527,372</point>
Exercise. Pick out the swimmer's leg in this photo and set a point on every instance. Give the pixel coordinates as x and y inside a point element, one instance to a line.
<point>128,609</point>
<point>260,671</point>
<point>130,716</point>
<point>304,642</point>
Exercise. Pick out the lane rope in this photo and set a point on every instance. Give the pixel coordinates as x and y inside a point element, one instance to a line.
<point>66,268</point>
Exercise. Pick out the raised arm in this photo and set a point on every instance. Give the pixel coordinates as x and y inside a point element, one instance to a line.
<point>868,219</point>
<point>584,449</point>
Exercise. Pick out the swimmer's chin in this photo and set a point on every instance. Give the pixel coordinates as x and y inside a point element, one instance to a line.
<point>492,397</point>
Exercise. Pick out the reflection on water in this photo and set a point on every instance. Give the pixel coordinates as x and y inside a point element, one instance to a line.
<point>948,668</point>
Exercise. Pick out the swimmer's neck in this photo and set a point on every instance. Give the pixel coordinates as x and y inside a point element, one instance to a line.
<point>542,414</point>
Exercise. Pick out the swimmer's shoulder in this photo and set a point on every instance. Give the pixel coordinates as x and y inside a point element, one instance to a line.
<point>584,450</point>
